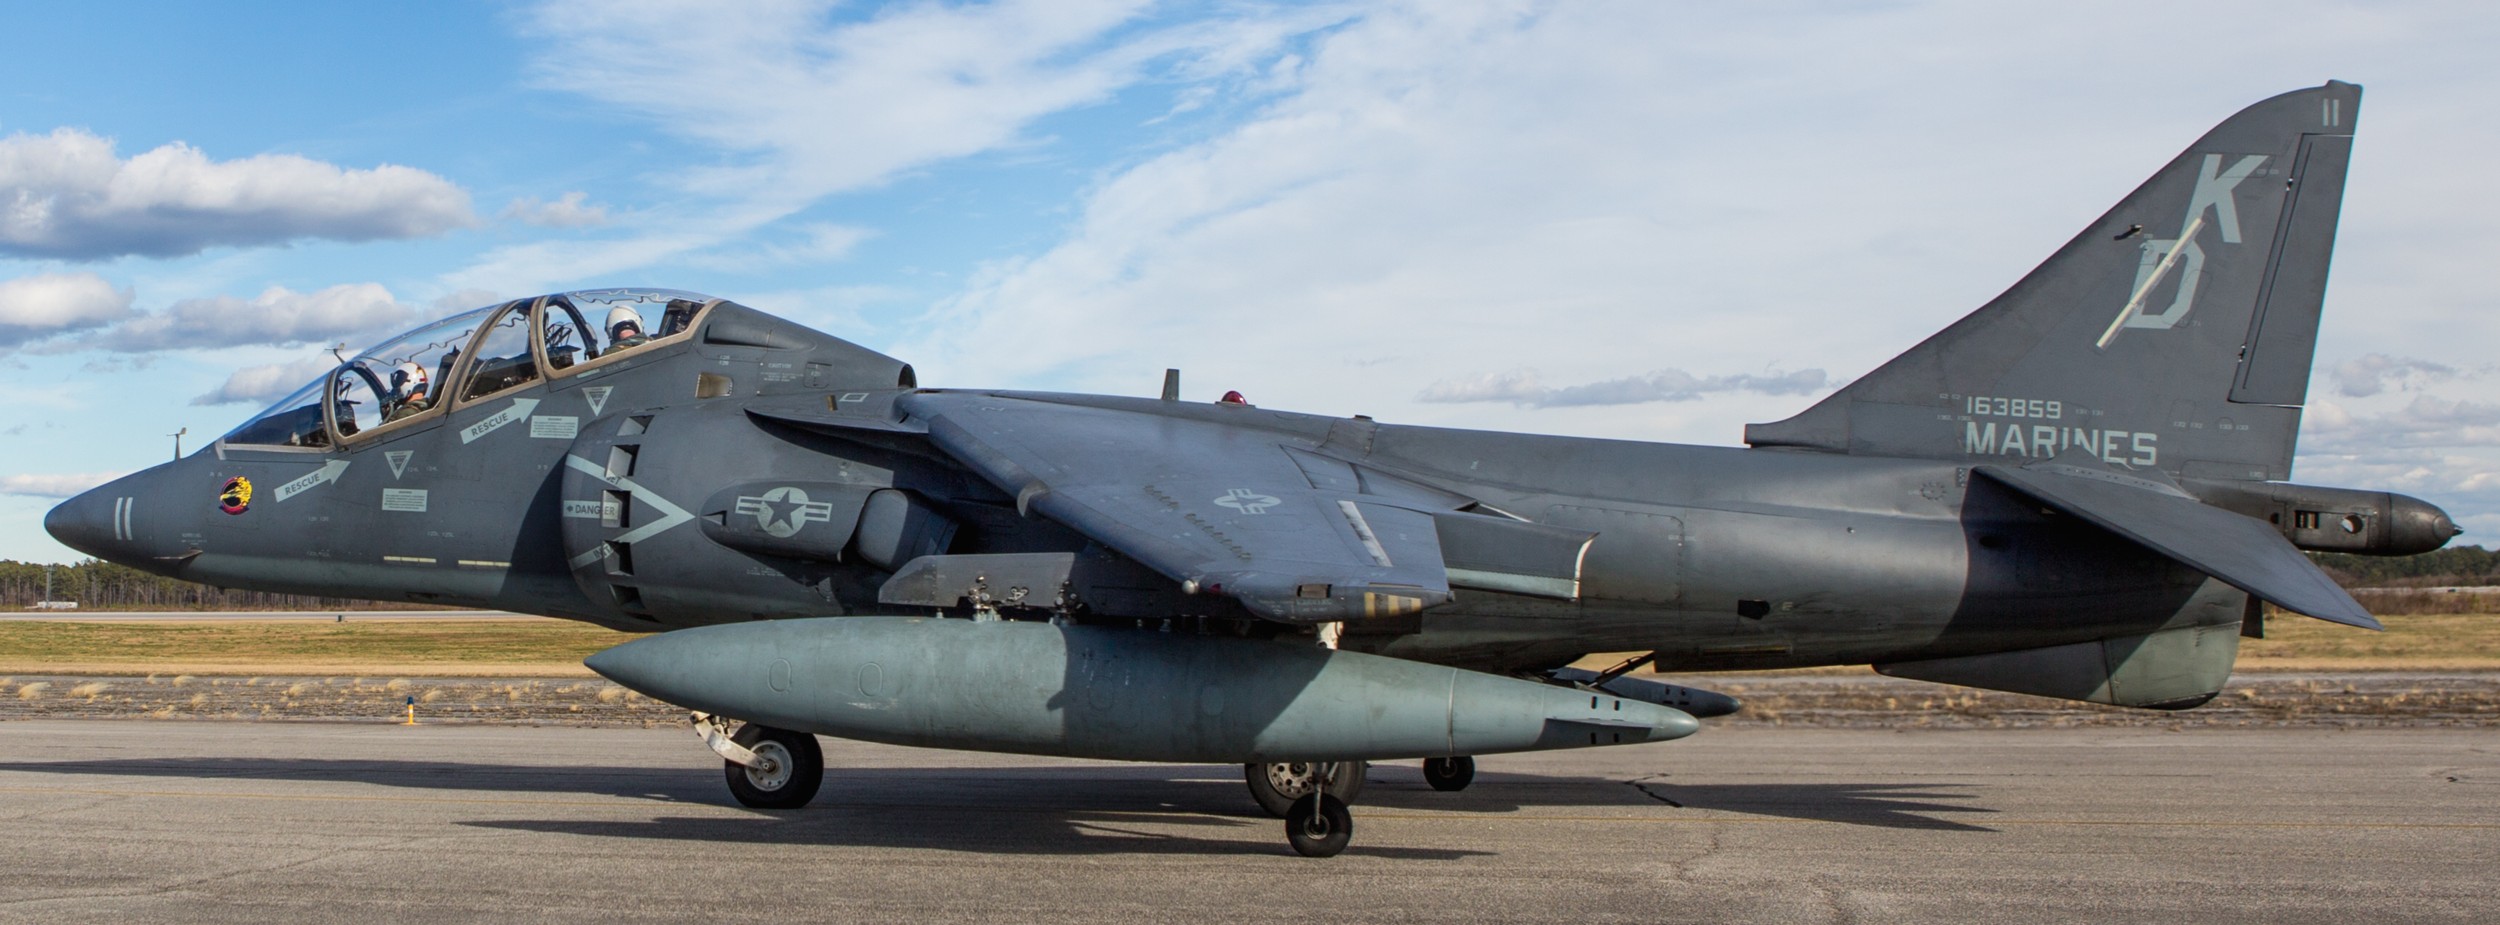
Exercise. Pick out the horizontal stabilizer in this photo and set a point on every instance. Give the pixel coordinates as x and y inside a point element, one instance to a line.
<point>2241,551</point>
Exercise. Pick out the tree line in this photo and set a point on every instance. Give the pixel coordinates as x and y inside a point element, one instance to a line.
<point>97,585</point>
<point>2455,565</point>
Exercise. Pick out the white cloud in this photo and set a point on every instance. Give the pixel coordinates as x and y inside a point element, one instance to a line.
<point>2426,421</point>
<point>824,105</point>
<point>2370,374</point>
<point>813,243</point>
<point>68,195</point>
<point>53,486</point>
<point>806,101</point>
<point>260,385</point>
<point>40,306</point>
<point>1616,188</point>
<point>571,210</point>
<point>353,313</point>
<point>1524,387</point>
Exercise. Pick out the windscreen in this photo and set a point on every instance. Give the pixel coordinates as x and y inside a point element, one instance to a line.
<point>294,421</point>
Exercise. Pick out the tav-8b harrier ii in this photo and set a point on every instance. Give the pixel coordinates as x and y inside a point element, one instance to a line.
<point>2076,491</point>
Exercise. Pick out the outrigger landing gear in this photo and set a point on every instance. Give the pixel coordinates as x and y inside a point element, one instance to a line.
<point>1278,785</point>
<point>1450,775</point>
<point>1318,825</point>
<point>767,768</point>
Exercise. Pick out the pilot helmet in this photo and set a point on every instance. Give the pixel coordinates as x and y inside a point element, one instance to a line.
<point>408,380</point>
<point>621,317</point>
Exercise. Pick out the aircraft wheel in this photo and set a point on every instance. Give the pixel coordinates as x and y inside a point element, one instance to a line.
<point>1450,775</point>
<point>1276,785</point>
<point>794,766</point>
<point>1318,826</point>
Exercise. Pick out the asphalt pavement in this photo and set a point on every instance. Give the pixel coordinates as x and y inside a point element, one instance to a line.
<point>193,821</point>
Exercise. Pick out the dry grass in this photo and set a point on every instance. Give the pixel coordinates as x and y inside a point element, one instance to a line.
<point>2412,642</point>
<point>520,647</point>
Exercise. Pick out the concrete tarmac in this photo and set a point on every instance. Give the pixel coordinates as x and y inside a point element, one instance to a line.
<point>133,821</point>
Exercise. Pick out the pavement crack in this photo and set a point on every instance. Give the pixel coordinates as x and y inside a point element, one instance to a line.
<point>1643,787</point>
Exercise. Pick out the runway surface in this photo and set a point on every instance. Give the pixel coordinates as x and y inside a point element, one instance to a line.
<point>134,821</point>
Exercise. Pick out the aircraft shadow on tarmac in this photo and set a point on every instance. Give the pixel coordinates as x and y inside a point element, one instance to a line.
<point>1042,810</point>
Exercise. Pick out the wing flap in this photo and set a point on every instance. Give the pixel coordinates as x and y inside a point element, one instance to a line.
<point>1490,553</point>
<point>1221,509</point>
<point>2238,550</point>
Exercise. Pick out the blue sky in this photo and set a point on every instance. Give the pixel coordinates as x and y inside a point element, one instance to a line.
<point>1709,214</point>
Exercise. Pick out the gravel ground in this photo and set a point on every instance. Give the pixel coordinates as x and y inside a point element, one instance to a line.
<point>2374,700</point>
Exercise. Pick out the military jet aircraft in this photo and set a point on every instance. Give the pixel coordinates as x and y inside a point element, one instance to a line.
<point>2076,491</point>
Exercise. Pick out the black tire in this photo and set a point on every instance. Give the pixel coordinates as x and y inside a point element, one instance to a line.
<point>1277,785</point>
<point>1318,826</point>
<point>1450,775</point>
<point>797,768</point>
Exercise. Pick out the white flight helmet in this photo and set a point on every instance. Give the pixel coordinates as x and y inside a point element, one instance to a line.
<point>624,315</point>
<point>408,380</point>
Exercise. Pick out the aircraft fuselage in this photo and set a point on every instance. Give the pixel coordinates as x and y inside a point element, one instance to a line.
<point>1714,557</point>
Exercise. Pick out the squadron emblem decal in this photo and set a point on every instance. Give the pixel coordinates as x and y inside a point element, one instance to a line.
<point>236,497</point>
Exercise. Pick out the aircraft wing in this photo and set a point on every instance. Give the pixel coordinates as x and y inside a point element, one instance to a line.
<point>1222,509</point>
<point>2239,550</point>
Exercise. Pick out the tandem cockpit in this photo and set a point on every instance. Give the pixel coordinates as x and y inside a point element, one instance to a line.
<point>471,357</point>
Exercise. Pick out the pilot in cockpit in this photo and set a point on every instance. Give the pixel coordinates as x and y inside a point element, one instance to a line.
<point>625,329</point>
<point>408,392</point>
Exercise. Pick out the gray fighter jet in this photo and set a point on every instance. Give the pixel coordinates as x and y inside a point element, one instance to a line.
<point>2076,491</point>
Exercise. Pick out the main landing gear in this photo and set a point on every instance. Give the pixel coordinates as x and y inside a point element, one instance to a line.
<point>771,768</point>
<point>1313,796</point>
<point>767,768</point>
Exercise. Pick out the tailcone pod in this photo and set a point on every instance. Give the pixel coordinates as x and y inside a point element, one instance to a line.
<point>2323,519</point>
<point>2416,526</point>
<point>1091,692</point>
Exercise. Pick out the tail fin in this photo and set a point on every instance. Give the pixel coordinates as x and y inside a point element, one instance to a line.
<point>2174,333</point>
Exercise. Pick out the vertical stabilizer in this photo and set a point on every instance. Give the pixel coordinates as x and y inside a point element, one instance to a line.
<point>2174,333</point>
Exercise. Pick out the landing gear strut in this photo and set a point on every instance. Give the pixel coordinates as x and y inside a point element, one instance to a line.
<point>1450,775</point>
<point>1276,786</point>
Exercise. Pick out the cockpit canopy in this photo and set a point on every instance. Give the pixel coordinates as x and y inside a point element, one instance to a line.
<point>472,356</point>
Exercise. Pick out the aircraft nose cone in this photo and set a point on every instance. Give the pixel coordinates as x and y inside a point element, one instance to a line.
<point>86,523</point>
